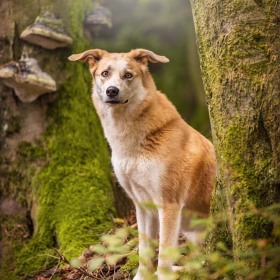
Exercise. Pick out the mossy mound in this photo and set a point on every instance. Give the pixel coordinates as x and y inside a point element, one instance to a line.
<point>67,185</point>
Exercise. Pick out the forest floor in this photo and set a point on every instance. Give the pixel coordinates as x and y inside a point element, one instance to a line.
<point>80,268</point>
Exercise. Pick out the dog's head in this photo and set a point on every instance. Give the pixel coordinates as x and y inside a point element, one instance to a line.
<point>119,76</point>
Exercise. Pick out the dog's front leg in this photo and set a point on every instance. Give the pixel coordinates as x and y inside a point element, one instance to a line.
<point>148,229</point>
<point>169,227</point>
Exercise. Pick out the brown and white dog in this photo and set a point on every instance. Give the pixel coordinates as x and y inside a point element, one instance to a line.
<point>156,155</point>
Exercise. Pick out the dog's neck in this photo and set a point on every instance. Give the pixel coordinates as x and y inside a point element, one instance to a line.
<point>132,120</point>
<point>124,122</point>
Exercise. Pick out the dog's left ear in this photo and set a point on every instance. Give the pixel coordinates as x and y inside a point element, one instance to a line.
<point>91,56</point>
<point>143,56</point>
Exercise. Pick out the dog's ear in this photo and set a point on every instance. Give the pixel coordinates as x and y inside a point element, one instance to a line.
<point>91,56</point>
<point>143,56</point>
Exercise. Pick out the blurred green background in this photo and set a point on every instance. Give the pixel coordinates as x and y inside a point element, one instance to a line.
<point>165,27</point>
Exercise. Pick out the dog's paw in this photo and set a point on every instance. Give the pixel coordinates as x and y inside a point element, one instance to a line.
<point>164,276</point>
<point>169,274</point>
<point>138,276</point>
<point>176,268</point>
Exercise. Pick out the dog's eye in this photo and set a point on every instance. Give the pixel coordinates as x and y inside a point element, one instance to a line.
<point>105,74</point>
<point>128,75</point>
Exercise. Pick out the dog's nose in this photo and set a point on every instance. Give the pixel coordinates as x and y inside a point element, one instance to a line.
<point>112,91</point>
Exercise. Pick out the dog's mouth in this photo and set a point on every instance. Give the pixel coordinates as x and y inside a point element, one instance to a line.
<point>116,102</point>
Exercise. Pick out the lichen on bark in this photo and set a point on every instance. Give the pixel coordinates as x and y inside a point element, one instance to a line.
<point>239,52</point>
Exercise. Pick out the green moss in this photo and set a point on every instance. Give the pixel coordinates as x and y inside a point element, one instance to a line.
<point>30,152</point>
<point>247,191</point>
<point>132,263</point>
<point>33,258</point>
<point>14,232</point>
<point>254,226</point>
<point>218,231</point>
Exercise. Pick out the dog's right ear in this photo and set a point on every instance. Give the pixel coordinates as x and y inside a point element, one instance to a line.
<point>91,56</point>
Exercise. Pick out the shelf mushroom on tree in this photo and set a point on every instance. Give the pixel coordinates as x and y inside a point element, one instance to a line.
<point>27,79</point>
<point>47,31</point>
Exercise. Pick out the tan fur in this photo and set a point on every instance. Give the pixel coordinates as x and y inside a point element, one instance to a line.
<point>156,155</point>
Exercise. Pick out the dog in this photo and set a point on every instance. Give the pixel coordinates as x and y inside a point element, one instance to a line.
<point>156,155</point>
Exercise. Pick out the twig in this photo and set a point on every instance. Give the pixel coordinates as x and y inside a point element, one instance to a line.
<point>55,270</point>
<point>48,255</point>
<point>81,270</point>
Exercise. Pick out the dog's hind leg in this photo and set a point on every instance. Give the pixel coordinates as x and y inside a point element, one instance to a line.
<point>170,221</point>
<point>192,234</point>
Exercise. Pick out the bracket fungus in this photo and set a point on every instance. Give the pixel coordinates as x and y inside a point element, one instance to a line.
<point>48,32</point>
<point>96,19</point>
<point>27,79</point>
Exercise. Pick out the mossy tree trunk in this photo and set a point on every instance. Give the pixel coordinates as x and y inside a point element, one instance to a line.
<point>239,48</point>
<point>55,170</point>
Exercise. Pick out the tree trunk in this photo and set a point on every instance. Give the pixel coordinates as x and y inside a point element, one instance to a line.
<point>239,47</point>
<point>55,182</point>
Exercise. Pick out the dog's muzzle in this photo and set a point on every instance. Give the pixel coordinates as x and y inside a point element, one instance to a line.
<point>112,101</point>
<point>112,93</point>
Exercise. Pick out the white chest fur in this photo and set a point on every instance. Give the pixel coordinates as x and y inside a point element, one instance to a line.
<point>138,174</point>
<point>141,177</point>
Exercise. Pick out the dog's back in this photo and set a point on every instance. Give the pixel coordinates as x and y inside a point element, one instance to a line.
<point>189,161</point>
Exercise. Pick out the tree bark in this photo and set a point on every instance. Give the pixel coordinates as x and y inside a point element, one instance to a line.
<point>239,48</point>
<point>55,170</point>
